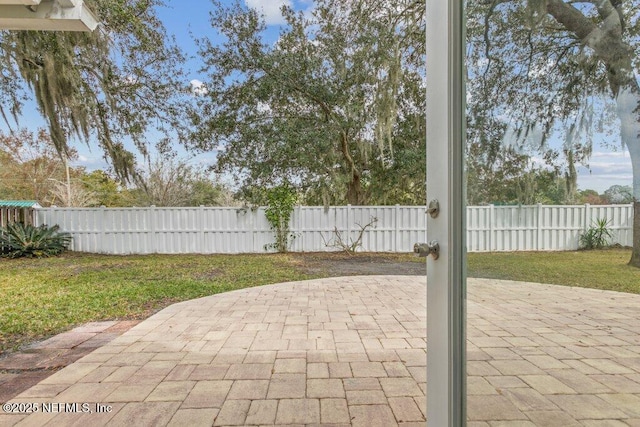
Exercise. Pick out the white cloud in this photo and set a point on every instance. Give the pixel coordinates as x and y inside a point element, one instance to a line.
<point>91,163</point>
<point>198,88</point>
<point>270,9</point>
<point>611,154</point>
<point>609,167</point>
<point>606,169</point>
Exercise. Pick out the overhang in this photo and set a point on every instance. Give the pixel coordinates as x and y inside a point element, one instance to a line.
<point>19,204</point>
<point>46,15</point>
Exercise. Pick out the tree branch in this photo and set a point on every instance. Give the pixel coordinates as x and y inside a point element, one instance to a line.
<point>573,20</point>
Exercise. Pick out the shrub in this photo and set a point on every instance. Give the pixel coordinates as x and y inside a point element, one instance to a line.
<point>281,201</point>
<point>597,236</point>
<point>18,240</point>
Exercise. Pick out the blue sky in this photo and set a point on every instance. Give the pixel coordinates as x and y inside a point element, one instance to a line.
<point>185,20</point>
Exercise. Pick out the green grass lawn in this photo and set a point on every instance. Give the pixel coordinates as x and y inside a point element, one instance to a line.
<point>600,269</point>
<point>42,297</point>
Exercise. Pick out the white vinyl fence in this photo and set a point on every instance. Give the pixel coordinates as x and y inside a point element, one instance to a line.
<point>237,230</point>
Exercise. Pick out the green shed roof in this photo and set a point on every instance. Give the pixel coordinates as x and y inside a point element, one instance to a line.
<point>19,204</point>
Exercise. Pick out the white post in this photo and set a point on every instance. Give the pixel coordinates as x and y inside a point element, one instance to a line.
<point>587,216</point>
<point>397,230</point>
<point>202,243</point>
<point>348,237</point>
<point>446,281</point>
<point>492,219</point>
<point>255,214</point>
<point>539,234</point>
<point>101,246</point>
<point>154,243</point>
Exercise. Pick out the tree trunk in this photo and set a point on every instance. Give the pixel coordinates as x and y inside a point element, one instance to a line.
<point>571,178</point>
<point>628,102</point>
<point>635,253</point>
<point>355,195</point>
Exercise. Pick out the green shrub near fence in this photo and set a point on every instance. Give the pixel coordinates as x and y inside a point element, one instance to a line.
<point>18,240</point>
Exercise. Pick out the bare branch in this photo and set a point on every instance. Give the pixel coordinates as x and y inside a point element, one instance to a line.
<point>346,244</point>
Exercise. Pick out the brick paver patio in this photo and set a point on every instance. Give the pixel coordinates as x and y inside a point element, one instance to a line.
<point>352,351</point>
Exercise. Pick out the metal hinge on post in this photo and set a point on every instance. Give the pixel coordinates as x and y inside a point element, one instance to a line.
<point>434,208</point>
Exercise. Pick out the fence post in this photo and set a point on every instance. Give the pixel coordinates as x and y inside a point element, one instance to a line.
<point>539,236</point>
<point>103,226</point>
<point>587,217</point>
<point>397,230</point>
<point>492,220</point>
<point>201,228</point>
<point>152,215</point>
<point>348,237</point>
<point>298,231</point>
<point>254,219</point>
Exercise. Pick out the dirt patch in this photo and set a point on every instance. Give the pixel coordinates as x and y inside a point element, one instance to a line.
<point>343,264</point>
<point>209,275</point>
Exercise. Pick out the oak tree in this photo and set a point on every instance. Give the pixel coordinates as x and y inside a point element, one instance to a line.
<point>544,66</point>
<point>335,106</point>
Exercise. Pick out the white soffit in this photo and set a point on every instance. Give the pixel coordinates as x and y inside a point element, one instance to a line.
<point>46,15</point>
<point>22,2</point>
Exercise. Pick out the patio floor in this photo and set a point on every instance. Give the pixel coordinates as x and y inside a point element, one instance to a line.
<point>352,351</point>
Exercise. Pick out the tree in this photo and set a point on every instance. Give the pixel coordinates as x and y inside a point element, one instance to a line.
<point>165,182</point>
<point>117,82</point>
<point>72,194</point>
<point>168,181</point>
<point>508,177</point>
<point>327,107</point>
<point>619,194</point>
<point>29,166</point>
<point>548,65</point>
<point>106,190</point>
<point>591,197</point>
<point>208,192</point>
<point>31,169</point>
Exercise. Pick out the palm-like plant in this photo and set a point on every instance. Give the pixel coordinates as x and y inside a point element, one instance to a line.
<point>19,240</point>
<point>597,236</point>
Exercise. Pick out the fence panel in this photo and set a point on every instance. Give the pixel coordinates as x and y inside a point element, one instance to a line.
<point>620,221</point>
<point>239,230</point>
<point>560,227</point>
<point>480,227</point>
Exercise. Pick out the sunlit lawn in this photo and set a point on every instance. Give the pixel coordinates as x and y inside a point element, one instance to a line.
<point>42,297</point>
<point>601,269</point>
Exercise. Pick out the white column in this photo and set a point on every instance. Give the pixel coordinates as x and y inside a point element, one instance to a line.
<point>446,276</point>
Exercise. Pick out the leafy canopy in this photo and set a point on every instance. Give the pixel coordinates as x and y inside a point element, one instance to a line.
<point>334,106</point>
<point>117,82</point>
